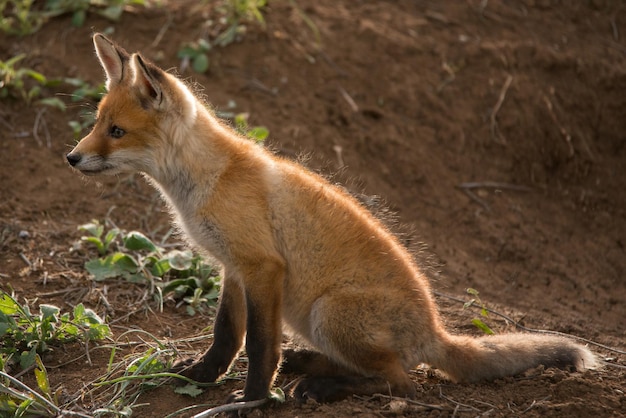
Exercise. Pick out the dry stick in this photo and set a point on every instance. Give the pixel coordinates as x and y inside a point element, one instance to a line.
<point>36,126</point>
<point>566,135</point>
<point>164,28</point>
<point>494,185</point>
<point>532,405</point>
<point>231,407</point>
<point>441,395</point>
<point>348,99</point>
<point>496,108</point>
<point>523,328</point>
<point>477,199</point>
<point>411,401</point>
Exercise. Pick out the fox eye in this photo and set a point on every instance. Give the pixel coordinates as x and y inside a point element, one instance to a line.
<point>116,131</point>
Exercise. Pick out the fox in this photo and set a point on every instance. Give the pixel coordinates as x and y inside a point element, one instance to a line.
<point>299,255</point>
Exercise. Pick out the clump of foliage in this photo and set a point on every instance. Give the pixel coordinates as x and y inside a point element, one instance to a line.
<point>23,17</point>
<point>21,82</point>
<point>231,26</point>
<point>24,334</point>
<point>186,276</point>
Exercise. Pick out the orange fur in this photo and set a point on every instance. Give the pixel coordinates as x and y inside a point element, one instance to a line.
<point>297,251</point>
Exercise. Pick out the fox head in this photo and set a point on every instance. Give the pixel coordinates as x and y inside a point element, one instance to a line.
<point>144,110</point>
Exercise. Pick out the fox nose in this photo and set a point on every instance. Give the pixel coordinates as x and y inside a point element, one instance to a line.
<point>73,158</point>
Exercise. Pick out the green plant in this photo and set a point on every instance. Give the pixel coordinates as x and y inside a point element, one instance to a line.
<point>256,133</point>
<point>237,14</point>
<point>197,54</point>
<point>84,91</point>
<point>18,18</point>
<point>25,333</point>
<point>232,25</point>
<point>19,400</point>
<point>138,259</point>
<point>109,9</point>
<point>483,311</point>
<point>23,17</point>
<point>20,82</point>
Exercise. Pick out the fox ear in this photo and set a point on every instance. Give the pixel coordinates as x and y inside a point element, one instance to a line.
<point>147,78</point>
<point>114,59</point>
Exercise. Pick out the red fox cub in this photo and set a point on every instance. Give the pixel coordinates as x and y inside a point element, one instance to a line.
<point>298,253</point>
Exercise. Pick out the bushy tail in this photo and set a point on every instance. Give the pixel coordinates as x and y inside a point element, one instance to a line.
<point>467,359</point>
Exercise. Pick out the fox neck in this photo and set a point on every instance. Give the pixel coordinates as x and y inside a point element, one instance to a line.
<point>187,169</point>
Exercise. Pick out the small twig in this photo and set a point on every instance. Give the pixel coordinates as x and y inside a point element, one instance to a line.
<point>254,83</point>
<point>411,401</point>
<point>532,405</point>
<point>615,29</point>
<point>348,99</point>
<point>26,260</point>
<point>532,330</point>
<point>494,185</point>
<point>496,108</point>
<point>231,407</point>
<point>566,135</point>
<point>162,31</point>
<point>441,395</point>
<point>477,199</point>
<point>36,126</point>
<point>338,150</point>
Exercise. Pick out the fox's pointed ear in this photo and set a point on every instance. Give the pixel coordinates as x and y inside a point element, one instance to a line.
<point>114,59</point>
<point>147,78</point>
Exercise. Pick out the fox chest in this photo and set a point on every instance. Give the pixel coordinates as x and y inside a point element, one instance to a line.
<point>205,235</point>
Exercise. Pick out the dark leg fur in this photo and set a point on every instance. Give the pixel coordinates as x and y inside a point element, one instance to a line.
<point>311,363</point>
<point>336,388</point>
<point>263,348</point>
<point>228,338</point>
<point>329,382</point>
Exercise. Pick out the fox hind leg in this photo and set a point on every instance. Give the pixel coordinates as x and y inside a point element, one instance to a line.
<point>360,353</point>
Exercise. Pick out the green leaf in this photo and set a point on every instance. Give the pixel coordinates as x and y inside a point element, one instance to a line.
<point>110,236</point>
<point>49,312</point>
<point>27,358</point>
<point>258,133</point>
<point>135,241</point>
<point>160,267</point>
<point>187,52</point>
<point>189,390</point>
<point>277,395</point>
<point>8,305</point>
<point>112,12</point>
<point>180,260</point>
<point>94,228</point>
<point>78,18</point>
<point>114,265</point>
<point>37,76</point>
<point>53,102</point>
<point>41,375</point>
<point>200,63</point>
<point>482,326</point>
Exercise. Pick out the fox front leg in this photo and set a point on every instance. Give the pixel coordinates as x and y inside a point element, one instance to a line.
<point>228,332</point>
<point>264,329</point>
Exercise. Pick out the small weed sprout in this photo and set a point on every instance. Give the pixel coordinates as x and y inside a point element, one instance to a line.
<point>483,311</point>
<point>257,133</point>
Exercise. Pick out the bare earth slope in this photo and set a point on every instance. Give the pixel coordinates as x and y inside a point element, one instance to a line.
<point>497,132</point>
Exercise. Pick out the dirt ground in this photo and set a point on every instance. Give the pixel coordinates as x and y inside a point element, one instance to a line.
<point>494,129</point>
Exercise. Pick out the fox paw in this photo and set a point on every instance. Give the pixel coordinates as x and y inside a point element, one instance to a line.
<point>195,369</point>
<point>319,389</point>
